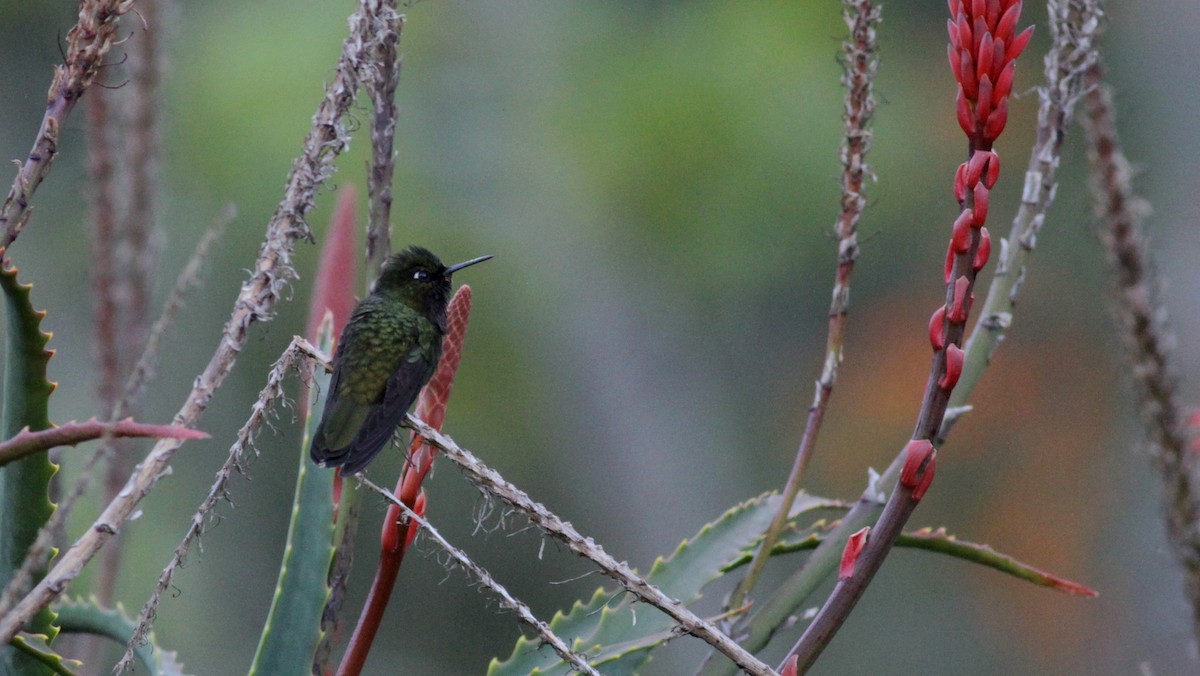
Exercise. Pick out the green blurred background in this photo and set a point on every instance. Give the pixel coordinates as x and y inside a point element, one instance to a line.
<point>658,182</point>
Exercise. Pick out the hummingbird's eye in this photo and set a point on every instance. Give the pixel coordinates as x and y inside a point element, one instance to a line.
<point>420,275</point>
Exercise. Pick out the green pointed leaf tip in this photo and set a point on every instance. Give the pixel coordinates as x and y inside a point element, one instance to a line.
<point>89,617</point>
<point>25,504</point>
<point>607,618</point>
<point>293,627</point>
<point>37,648</point>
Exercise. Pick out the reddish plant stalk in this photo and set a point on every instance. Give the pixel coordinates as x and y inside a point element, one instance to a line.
<point>983,50</point>
<point>399,533</point>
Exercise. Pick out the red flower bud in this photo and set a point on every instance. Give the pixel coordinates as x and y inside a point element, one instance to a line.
<point>949,262</point>
<point>955,8</point>
<point>789,666</point>
<point>981,206</point>
<point>958,306</point>
<point>952,29</point>
<point>854,547</point>
<point>964,32</point>
<point>975,167</point>
<point>916,453</point>
<point>968,80</point>
<point>1008,23</point>
<point>926,479</point>
<point>1004,82</point>
<point>980,29</point>
<point>965,119</point>
<point>996,121</point>
<point>993,170</point>
<point>993,13</point>
<point>955,60</point>
<point>984,252</point>
<point>1018,44</point>
<point>960,183</point>
<point>960,238</point>
<point>954,366</point>
<point>937,328</point>
<point>978,10</point>
<point>983,64</point>
<point>984,105</point>
<point>419,509</point>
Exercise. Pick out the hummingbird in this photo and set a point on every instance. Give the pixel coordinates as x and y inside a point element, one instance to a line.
<point>389,349</point>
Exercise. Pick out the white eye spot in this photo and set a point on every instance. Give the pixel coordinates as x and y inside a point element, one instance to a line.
<point>420,275</point>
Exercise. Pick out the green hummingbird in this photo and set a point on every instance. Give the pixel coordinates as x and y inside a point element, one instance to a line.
<point>387,352</point>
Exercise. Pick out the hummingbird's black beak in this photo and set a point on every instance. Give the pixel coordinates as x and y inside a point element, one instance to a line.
<point>455,268</point>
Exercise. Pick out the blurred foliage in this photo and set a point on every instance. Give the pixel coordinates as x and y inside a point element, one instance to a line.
<point>657,181</point>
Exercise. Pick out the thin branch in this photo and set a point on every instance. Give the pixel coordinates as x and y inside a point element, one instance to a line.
<point>39,552</point>
<point>524,614</point>
<point>73,433</point>
<point>1143,323</point>
<point>381,86</point>
<point>299,354</point>
<point>861,65</point>
<point>87,43</point>
<point>272,272</point>
<point>490,481</point>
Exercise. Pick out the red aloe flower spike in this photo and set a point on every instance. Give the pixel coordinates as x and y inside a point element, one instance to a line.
<point>960,184</point>
<point>965,119</point>
<point>1008,22</point>
<point>969,81</point>
<point>1004,82</point>
<point>993,13</point>
<point>926,479</point>
<point>937,328</point>
<point>983,65</point>
<point>975,167</point>
<point>984,106</point>
<point>854,547</point>
<point>960,240</point>
<point>955,59</point>
<point>1018,44</point>
<point>981,206</point>
<point>983,252</point>
<point>958,307</point>
<point>954,365</point>
<point>996,121</point>
<point>993,170</point>
<point>916,454</point>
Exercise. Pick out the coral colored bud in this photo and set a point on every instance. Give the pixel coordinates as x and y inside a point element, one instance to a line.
<point>998,61</point>
<point>926,479</point>
<point>993,13</point>
<point>965,119</point>
<point>937,328</point>
<point>967,76</point>
<point>955,7</point>
<point>958,306</point>
<point>964,32</point>
<point>978,10</point>
<point>854,547</point>
<point>952,29</point>
<point>419,509</point>
<point>389,539</point>
<point>790,666</point>
<point>960,239</point>
<point>960,183</point>
<point>996,121</point>
<point>984,252</point>
<point>949,263</point>
<point>983,64</point>
<point>1008,23</point>
<point>954,366</point>
<point>981,206</point>
<point>980,29</point>
<point>975,167</point>
<point>1004,82</point>
<point>983,107</point>
<point>1018,44</point>
<point>955,61</point>
<point>916,453</point>
<point>993,170</point>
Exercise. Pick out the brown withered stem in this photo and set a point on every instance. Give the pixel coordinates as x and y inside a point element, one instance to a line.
<point>299,355</point>
<point>484,578</point>
<point>256,301</point>
<point>1145,329</point>
<point>381,86</point>
<point>87,44</point>
<point>861,63</point>
<point>490,482</point>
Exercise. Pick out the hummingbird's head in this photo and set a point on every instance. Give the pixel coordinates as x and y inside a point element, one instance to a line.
<point>419,279</point>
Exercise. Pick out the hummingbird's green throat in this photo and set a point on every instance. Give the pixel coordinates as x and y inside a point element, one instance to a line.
<point>389,349</point>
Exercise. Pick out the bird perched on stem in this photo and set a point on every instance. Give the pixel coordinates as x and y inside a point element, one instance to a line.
<point>385,355</point>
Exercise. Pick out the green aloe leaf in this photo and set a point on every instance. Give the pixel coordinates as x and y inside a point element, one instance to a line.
<point>89,617</point>
<point>35,647</point>
<point>606,628</point>
<point>293,628</point>
<point>25,504</point>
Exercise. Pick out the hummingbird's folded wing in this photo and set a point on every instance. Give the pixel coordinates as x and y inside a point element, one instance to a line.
<point>384,417</point>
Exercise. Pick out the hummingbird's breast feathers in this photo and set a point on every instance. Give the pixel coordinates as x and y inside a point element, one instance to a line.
<point>382,335</point>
